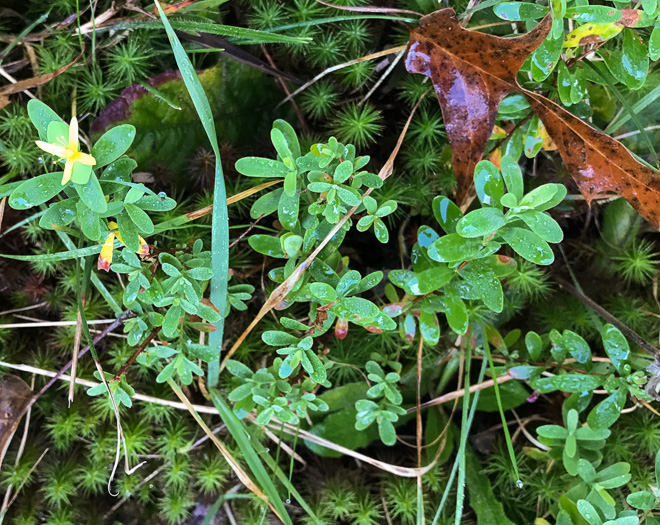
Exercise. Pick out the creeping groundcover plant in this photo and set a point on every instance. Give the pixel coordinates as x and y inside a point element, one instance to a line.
<point>282,283</point>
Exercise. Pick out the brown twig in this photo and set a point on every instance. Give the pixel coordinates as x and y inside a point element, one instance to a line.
<point>285,88</point>
<point>124,368</point>
<point>590,303</point>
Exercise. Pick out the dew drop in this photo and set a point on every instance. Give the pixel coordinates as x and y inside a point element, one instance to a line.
<point>162,194</point>
<point>288,501</point>
<point>519,484</point>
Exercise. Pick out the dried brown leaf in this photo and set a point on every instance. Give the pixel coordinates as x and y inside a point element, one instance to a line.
<point>15,395</point>
<point>472,72</point>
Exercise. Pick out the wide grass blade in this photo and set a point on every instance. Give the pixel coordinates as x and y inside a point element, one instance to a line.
<point>242,438</point>
<point>220,221</point>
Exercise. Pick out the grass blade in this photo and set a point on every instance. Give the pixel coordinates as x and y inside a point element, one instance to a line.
<point>220,221</point>
<point>640,106</point>
<point>242,438</point>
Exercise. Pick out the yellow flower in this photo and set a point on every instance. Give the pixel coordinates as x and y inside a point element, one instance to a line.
<point>105,257</point>
<point>70,151</point>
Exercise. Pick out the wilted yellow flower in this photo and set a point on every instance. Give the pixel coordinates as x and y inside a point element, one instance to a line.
<point>105,257</point>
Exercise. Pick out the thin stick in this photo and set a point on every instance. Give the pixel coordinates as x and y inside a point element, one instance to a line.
<point>418,407</point>
<point>11,502</point>
<point>383,76</point>
<point>636,132</point>
<point>24,309</point>
<point>460,393</point>
<point>74,356</point>
<point>590,303</point>
<point>91,384</point>
<point>53,323</point>
<point>59,374</point>
<point>341,66</point>
<point>135,355</point>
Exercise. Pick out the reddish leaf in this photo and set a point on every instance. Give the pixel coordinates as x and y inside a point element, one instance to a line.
<point>597,162</point>
<point>472,72</point>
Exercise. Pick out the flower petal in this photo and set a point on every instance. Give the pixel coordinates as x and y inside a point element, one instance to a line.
<point>68,169</point>
<point>73,134</point>
<point>53,149</point>
<point>144,247</point>
<point>85,158</point>
<point>105,257</point>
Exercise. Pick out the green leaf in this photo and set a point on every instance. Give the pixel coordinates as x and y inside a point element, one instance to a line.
<point>128,231</point>
<point>429,327</point>
<point>58,214</point>
<point>267,245</point>
<point>203,352</point>
<point>324,292</point>
<point>278,338</point>
<point>616,347</point>
<point>569,383</point>
<point>36,190</point>
<point>41,116</point>
<point>156,203</point>
<point>512,176</point>
<point>534,345</point>
<point>380,230</point>
<point>630,65</point>
<point>386,432</point>
<point>456,312</point>
<point>552,432</point>
<point>481,222</point>
<point>605,413</point>
<point>171,321</point>
<point>577,347</point>
<point>453,247</point>
<point>289,136</point>
<point>654,43</point>
<point>92,195</point>
<point>543,225</point>
<point>80,173</point>
<point>287,210</point>
<point>360,307</point>
<point>529,246</point>
<point>643,500</point>
<point>291,244</point>
<point>113,144</point>
<point>446,213</point>
<point>599,14</point>
<point>589,512</point>
<point>434,278</point>
<point>140,218</point>
<point>488,183</point>
<point>260,167</point>
<point>545,58</point>
<point>520,11</point>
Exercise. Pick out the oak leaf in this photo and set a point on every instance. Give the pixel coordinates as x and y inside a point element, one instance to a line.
<point>472,72</point>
